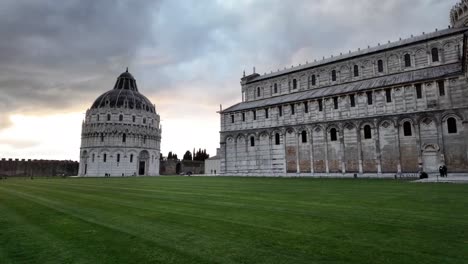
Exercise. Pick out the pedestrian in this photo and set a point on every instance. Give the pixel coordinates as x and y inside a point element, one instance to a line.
<point>441,171</point>
<point>444,168</point>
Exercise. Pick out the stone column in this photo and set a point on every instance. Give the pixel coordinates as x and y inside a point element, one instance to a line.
<point>285,169</point>
<point>440,138</point>
<point>397,138</point>
<point>270,155</point>
<point>298,137</point>
<point>359,145</point>
<point>418,144</point>
<point>342,146</point>
<point>311,148</point>
<point>377,147</point>
<point>327,169</point>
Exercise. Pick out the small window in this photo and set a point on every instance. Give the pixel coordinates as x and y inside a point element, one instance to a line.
<point>97,117</point>
<point>304,136</point>
<point>320,104</point>
<point>352,100</point>
<point>144,120</point>
<point>144,140</point>
<point>131,158</point>
<point>254,114</point>
<point>266,113</point>
<point>252,141</point>
<point>93,157</point>
<point>258,91</point>
<point>124,138</point>
<point>232,118</point>
<point>292,109</point>
<point>407,129</point>
<point>418,91</point>
<point>356,71</point>
<point>280,110</point>
<point>118,157</point>
<point>306,107</point>
<point>104,158</point>
<point>314,80</point>
<point>369,98</point>
<point>380,65</point>
<point>334,76</point>
<point>133,119</point>
<point>367,132</point>
<point>294,84</point>
<point>388,95</point>
<point>277,139</point>
<point>333,134</point>
<point>335,102</point>
<point>108,117</point>
<point>441,85</point>
<point>435,54</point>
<point>121,118</point>
<point>243,117</point>
<point>452,125</point>
<point>102,137</point>
<point>275,88</point>
<point>407,60</point>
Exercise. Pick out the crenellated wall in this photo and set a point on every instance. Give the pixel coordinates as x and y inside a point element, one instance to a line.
<point>37,168</point>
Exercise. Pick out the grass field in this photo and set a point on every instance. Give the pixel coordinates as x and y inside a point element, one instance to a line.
<point>231,220</point>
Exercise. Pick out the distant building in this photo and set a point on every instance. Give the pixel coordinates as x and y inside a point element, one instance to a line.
<point>213,165</point>
<point>400,107</point>
<point>121,133</point>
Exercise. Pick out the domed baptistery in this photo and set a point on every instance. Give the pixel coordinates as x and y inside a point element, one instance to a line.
<point>121,134</point>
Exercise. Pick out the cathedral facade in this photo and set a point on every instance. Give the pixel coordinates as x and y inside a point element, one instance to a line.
<point>121,133</point>
<point>397,108</point>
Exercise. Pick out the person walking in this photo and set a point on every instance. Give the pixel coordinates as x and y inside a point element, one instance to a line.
<point>444,168</point>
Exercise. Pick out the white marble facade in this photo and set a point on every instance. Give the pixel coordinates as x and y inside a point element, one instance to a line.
<point>121,133</point>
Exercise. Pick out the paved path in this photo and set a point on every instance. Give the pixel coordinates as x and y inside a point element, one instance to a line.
<point>460,178</point>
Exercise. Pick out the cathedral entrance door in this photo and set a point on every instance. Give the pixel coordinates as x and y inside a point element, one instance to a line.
<point>430,158</point>
<point>141,169</point>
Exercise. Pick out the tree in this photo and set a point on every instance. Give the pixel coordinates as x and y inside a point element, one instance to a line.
<point>171,156</point>
<point>201,155</point>
<point>187,155</point>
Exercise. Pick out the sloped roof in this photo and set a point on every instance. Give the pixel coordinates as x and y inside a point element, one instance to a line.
<point>392,45</point>
<point>378,82</point>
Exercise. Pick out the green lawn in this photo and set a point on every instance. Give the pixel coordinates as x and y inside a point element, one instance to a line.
<point>231,220</point>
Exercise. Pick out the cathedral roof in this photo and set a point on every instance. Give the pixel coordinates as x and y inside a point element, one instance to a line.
<point>361,52</point>
<point>124,94</point>
<point>358,86</point>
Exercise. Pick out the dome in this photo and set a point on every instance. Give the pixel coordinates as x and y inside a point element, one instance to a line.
<point>125,94</point>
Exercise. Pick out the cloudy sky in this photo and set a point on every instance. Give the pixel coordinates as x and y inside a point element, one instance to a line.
<point>56,57</point>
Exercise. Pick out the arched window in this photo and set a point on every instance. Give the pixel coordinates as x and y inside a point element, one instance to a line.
<point>380,65</point>
<point>93,157</point>
<point>277,139</point>
<point>144,140</point>
<point>254,114</point>
<point>333,134</point>
<point>435,54</point>
<point>258,91</point>
<point>407,130</point>
<point>294,84</point>
<point>266,113</point>
<point>102,137</point>
<point>452,125</point>
<point>144,120</point>
<point>124,138</point>
<point>304,136</point>
<point>120,117</point>
<point>98,117</point>
<point>131,157</point>
<point>104,158</point>
<point>118,157</point>
<point>133,119</point>
<point>334,76</point>
<point>367,132</point>
<point>252,141</point>
<point>314,80</point>
<point>275,88</point>
<point>407,60</point>
<point>108,117</point>
<point>356,71</point>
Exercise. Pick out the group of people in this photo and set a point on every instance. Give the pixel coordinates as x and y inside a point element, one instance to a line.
<point>443,171</point>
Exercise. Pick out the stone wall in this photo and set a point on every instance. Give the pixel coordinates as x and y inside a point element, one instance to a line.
<point>176,167</point>
<point>37,168</point>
